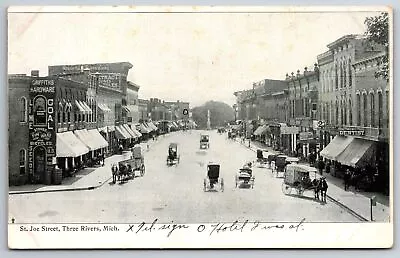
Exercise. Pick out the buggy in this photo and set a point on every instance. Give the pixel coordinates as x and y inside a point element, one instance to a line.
<point>245,177</point>
<point>297,176</point>
<point>204,141</point>
<point>213,178</point>
<point>173,156</point>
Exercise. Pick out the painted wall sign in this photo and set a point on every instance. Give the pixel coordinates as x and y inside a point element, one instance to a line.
<point>110,80</point>
<point>42,135</point>
<point>352,132</point>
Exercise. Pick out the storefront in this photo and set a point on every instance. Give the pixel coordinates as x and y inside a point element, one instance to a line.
<point>42,132</point>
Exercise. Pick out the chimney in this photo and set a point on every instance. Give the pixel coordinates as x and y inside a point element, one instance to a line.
<point>305,70</point>
<point>35,73</point>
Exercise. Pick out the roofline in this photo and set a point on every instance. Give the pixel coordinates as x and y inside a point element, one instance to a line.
<point>344,39</point>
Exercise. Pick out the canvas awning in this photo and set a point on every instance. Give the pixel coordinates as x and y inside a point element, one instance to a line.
<point>121,133</point>
<point>103,108</point>
<point>86,107</point>
<point>358,153</point>
<point>129,131</point>
<point>102,129</point>
<point>138,134</point>
<point>79,107</point>
<point>68,145</point>
<point>335,147</point>
<point>111,128</point>
<point>96,136</point>
<point>261,130</point>
<point>153,126</point>
<point>87,139</point>
<point>143,129</point>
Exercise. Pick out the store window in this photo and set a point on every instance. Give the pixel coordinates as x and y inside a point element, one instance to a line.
<point>380,108</point>
<point>350,113</point>
<point>39,111</point>
<point>358,110</point>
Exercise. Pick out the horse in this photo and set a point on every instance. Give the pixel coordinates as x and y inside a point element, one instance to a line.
<point>316,186</point>
<point>115,172</point>
<point>323,186</point>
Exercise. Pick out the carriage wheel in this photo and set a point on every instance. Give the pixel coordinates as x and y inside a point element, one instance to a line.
<point>300,190</point>
<point>286,189</point>
<point>205,185</point>
<point>222,184</point>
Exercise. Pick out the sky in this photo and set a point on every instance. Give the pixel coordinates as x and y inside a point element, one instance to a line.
<point>192,57</point>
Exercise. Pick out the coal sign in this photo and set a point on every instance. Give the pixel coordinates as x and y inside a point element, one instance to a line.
<point>42,136</point>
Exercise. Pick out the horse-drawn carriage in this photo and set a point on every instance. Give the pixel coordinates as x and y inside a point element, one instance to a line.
<point>297,176</point>
<point>245,177</point>
<point>126,169</point>
<point>261,160</point>
<point>204,141</point>
<point>173,156</point>
<point>280,163</point>
<point>213,178</point>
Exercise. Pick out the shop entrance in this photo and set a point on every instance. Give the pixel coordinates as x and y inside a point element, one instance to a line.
<point>39,155</point>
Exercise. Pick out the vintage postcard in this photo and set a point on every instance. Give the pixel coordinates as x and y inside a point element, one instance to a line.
<point>200,127</point>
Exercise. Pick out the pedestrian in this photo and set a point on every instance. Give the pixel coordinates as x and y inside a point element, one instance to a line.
<point>102,158</point>
<point>321,165</point>
<point>347,176</point>
<point>324,188</point>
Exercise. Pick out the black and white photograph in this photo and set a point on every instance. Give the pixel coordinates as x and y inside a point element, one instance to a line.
<point>200,127</point>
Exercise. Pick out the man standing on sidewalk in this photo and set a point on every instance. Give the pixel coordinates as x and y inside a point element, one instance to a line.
<point>347,176</point>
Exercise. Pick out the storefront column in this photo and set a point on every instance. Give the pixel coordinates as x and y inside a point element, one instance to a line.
<point>73,162</point>
<point>66,163</point>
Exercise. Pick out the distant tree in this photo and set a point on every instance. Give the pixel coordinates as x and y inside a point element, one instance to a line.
<point>378,32</point>
<point>220,113</point>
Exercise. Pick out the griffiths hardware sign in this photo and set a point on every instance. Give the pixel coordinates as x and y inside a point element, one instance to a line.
<point>41,125</point>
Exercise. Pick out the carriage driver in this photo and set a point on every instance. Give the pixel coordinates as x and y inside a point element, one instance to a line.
<point>171,152</point>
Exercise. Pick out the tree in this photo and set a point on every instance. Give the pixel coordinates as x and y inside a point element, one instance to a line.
<point>378,32</point>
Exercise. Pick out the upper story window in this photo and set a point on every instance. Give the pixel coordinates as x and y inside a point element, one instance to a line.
<point>22,161</point>
<point>350,74</point>
<point>23,109</point>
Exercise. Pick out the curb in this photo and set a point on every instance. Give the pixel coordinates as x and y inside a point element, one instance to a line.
<point>340,204</point>
<point>62,190</point>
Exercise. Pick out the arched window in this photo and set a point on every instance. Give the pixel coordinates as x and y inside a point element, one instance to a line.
<point>341,113</point>
<point>341,76</point>
<point>350,74</point>
<point>22,161</point>
<point>337,113</point>
<point>23,109</point>
<point>372,105</point>
<point>336,77</point>
<point>344,74</point>
<point>358,110</point>
<point>365,106</point>
<point>380,109</point>
<point>350,113</point>
<point>39,109</point>
<point>344,112</point>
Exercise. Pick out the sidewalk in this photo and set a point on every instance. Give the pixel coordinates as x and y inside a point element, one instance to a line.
<point>86,179</point>
<point>359,202</point>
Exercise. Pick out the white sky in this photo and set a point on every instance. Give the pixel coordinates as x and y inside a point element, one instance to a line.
<point>192,57</point>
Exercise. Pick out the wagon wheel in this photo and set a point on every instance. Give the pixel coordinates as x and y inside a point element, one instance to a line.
<point>286,189</point>
<point>222,184</point>
<point>252,182</point>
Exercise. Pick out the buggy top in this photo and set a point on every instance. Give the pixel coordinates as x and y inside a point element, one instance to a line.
<point>204,137</point>
<point>137,152</point>
<point>173,145</point>
<point>213,170</point>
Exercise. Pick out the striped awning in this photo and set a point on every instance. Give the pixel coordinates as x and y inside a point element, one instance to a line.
<point>68,145</point>
<point>86,107</point>
<point>129,130</point>
<point>121,133</point>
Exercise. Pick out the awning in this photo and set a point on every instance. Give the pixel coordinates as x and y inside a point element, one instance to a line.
<point>103,108</point>
<point>121,133</point>
<point>143,129</point>
<point>131,109</point>
<point>261,129</point>
<point>68,145</point>
<point>129,131</point>
<point>87,139</point>
<point>175,124</point>
<point>236,127</point>
<point>102,129</point>
<point>111,128</point>
<point>86,107</point>
<point>358,153</point>
<point>146,124</point>
<point>335,147</point>
<point>138,134</point>
<point>79,107</point>
<point>96,136</point>
<point>153,126</point>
